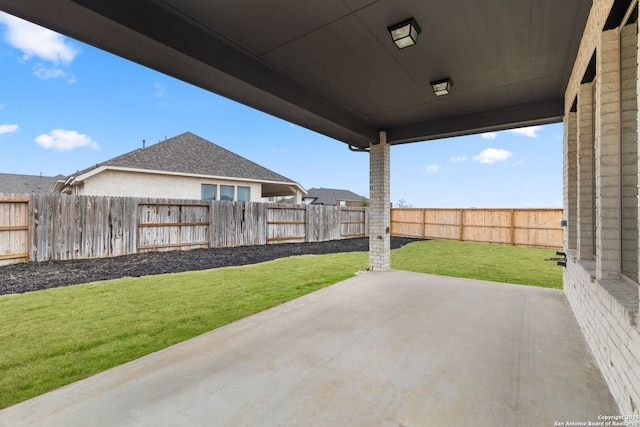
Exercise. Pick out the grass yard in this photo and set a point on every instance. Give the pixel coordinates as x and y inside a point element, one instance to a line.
<point>54,337</point>
<point>496,263</point>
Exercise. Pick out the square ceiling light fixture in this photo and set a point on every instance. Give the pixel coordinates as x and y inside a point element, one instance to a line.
<point>442,87</point>
<point>405,33</point>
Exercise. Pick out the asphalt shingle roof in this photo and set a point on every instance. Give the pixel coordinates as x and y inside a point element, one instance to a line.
<point>20,184</point>
<point>190,154</point>
<point>329,196</point>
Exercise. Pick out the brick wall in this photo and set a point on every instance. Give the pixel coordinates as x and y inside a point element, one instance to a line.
<point>570,170</point>
<point>603,290</point>
<point>607,314</point>
<point>629,147</point>
<point>586,179</point>
<point>607,152</point>
<point>380,206</point>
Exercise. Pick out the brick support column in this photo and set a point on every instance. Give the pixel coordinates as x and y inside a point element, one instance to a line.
<point>586,191</point>
<point>629,139</point>
<point>379,206</point>
<point>570,169</point>
<point>607,147</point>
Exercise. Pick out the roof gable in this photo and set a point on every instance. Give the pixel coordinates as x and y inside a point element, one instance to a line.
<point>329,196</point>
<point>14,183</point>
<point>190,154</point>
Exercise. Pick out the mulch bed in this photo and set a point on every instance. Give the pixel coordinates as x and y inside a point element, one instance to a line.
<point>32,276</point>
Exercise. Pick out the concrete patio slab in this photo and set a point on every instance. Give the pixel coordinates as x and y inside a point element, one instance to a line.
<point>380,349</point>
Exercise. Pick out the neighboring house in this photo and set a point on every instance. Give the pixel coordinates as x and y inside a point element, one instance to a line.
<point>333,197</point>
<point>183,167</point>
<point>12,183</point>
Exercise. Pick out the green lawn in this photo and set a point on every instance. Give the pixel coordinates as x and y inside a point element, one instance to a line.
<point>54,337</point>
<point>497,263</point>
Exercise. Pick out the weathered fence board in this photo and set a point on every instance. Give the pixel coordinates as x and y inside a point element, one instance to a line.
<point>286,224</point>
<point>520,227</point>
<point>166,226</point>
<point>323,223</point>
<point>353,222</point>
<point>64,227</point>
<point>14,228</point>
<point>238,224</point>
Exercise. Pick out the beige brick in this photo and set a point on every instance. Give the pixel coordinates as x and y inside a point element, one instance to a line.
<point>379,209</point>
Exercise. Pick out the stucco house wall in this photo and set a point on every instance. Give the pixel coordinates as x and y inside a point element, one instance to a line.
<point>118,183</point>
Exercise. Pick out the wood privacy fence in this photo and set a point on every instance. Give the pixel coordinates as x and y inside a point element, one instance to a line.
<point>43,227</point>
<point>519,227</point>
<point>14,228</point>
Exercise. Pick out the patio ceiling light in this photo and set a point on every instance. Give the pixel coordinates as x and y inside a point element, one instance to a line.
<point>442,87</point>
<point>405,33</point>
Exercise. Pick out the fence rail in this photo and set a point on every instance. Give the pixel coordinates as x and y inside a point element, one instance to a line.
<point>518,227</point>
<point>43,227</point>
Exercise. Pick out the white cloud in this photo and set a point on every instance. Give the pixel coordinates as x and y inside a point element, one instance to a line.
<point>530,132</point>
<point>489,135</point>
<point>492,155</point>
<point>65,140</point>
<point>8,129</point>
<point>1,106</point>
<point>35,41</point>
<point>458,159</point>
<point>53,73</point>
<point>432,168</point>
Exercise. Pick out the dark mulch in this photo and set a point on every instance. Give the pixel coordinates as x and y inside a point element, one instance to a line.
<point>27,277</point>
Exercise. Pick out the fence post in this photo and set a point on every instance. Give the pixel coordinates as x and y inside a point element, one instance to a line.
<point>513,227</point>
<point>461,225</point>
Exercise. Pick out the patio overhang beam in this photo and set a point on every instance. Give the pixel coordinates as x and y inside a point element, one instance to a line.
<point>538,113</point>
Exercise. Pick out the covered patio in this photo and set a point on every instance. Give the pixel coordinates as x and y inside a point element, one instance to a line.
<point>467,67</point>
<point>380,349</point>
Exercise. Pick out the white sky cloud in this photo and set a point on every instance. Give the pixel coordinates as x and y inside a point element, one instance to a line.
<point>492,155</point>
<point>1,106</point>
<point>8,129</point>
<point>53,73</point>
<point>433,168</point>
<point>531,131</point>
<point>458,159</point>
<point>35,41</point>
<point>66,140</point>
<point>489,135</point>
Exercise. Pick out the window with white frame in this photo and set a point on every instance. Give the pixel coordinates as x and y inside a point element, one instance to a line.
<point>226,192</point>
<point>244,194</point>
<point>208,191</point>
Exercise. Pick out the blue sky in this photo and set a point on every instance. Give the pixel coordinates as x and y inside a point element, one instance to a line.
<point>65,106</point>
